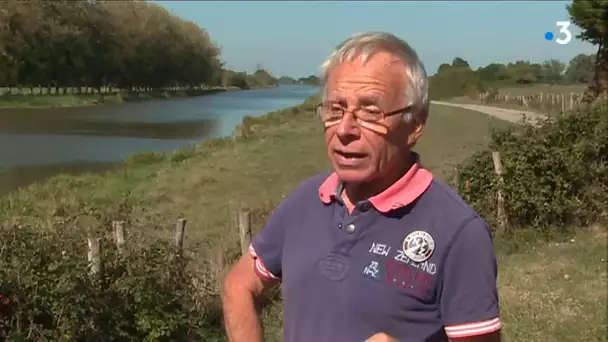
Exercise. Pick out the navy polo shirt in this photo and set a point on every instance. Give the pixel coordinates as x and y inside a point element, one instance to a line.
<point>415,262</point>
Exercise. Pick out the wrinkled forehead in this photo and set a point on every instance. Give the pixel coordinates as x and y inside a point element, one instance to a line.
<point>378,78</point>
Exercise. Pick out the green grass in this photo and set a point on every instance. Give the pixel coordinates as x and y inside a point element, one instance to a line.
<point>24,101</point>
<point>556,291</point>
<point>207,184</point>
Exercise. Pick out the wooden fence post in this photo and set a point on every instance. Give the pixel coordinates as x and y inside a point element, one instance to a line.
<point>180,228</point>
<point>94,255</point>
<point>244,230</point>
<point>457,179</point>
<point>542,105</point>
<point>119,234</point>
<point>500,202</point>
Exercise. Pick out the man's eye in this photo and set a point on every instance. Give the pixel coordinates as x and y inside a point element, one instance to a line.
<point>336,109</point>
<point>371,111</point>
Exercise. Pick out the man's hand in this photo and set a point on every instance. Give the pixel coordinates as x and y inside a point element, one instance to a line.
<point>381,337</point>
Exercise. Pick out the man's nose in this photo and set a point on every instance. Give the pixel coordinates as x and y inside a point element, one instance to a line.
<point>348,126</point>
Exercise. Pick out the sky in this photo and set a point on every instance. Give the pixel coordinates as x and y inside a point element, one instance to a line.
<point>293,38</point>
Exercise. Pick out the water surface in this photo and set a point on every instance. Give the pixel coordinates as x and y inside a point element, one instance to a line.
<point>38,143</point>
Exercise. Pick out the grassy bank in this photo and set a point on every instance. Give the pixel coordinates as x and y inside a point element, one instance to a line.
<point>200,182</point>
<point>73,100</point>
<point>208,183</point>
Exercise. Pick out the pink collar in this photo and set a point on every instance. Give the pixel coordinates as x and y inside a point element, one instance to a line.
<point>403,192</point>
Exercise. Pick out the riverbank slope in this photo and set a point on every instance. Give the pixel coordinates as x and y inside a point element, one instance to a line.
<point>8,101</point>
<point>207,184</point>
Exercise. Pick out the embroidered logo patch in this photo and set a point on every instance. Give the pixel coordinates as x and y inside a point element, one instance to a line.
<point>418,246</point>
<point>372,270</point>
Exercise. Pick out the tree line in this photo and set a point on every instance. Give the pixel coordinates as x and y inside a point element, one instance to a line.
<point>123,44</point>
<point>591,16</point>
<point>309,80</point>
<point>458,78</point>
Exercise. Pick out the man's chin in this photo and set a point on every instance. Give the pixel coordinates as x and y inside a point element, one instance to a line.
<point>353,175</point>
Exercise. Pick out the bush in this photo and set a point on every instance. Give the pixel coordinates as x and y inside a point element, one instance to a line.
<point>147,294</point>
<point>453,82</point>
<point>239,80</point>
<point>555,175</point>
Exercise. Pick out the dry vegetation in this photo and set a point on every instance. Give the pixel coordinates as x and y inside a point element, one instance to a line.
<point>527,90</point>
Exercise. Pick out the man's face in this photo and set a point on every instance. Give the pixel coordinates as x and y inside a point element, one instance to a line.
<point>361,154</point>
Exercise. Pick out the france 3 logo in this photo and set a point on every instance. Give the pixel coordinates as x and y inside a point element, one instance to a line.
<point>564,30</point>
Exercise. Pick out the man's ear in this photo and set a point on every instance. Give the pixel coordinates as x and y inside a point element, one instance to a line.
<point>415,132</point>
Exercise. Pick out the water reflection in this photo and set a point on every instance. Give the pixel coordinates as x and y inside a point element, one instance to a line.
<point>16,176</point>
<point>150,130</point>
<point>38,143</point>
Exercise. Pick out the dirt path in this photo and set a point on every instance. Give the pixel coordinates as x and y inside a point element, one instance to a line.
<point>511,115</point>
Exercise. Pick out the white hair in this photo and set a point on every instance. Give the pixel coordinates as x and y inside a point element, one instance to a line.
<point>366,44</point>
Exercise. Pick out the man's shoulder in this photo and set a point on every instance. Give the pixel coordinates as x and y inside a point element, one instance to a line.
<point>448,207</point>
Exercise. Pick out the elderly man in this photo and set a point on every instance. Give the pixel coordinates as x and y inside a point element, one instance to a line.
<point>378,250</point>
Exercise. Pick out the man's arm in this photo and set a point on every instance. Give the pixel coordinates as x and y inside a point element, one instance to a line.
<point>469,297</point>
<point>241,287</point>
<point>490,337</point>
<point>260,268</point>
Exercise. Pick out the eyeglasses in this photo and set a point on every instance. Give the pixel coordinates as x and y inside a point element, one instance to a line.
<point>332,113</point>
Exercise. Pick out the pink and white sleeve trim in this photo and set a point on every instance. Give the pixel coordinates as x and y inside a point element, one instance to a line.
<point>473,329</point>
<point>260,269</point>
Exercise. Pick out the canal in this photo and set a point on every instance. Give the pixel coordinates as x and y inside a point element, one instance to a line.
<point>38,143</point>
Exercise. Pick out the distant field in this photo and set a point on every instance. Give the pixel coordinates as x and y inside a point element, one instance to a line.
<point>541,98</point>
<point>526,90</point>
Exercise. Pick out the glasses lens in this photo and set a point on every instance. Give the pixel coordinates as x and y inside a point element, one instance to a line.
<point>369,115</point>
<point>330,113</point>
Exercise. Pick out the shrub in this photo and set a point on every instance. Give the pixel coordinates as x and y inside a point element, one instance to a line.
<point>147,294</point>
<point>555,175</point>
<point>453,82</point>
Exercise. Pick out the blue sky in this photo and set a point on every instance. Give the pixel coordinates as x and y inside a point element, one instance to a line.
<point>293,38</point>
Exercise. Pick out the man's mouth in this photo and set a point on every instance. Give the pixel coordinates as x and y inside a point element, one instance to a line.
<point>351,155</point>
<point>346,158</point>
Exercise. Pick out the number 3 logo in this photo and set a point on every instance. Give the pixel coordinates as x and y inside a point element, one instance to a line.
<point>563,28</point>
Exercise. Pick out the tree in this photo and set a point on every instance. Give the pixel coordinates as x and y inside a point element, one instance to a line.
<point>310,80</point>
<point>125,44</point>
<point>443,67</point>
<point>286,80</point>
<point>238,79</point>
<point>459,62</point>
<point>491,72</point>
<point>592,18</point>
<point>455,81</point>
<point>264,78</point>
<point>552,71</point>
<point>524,72</point>
<point>580,69</point>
